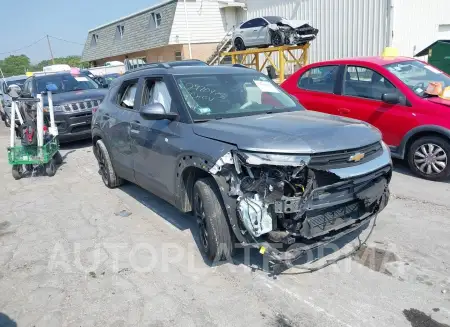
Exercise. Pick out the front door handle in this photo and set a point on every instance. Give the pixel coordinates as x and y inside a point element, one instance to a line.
<point>344,111</point>
<point>135,126</point>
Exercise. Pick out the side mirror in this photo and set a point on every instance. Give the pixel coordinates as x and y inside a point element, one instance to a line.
<point>14,90</point>
<point>51,87</point>
<point>391,98</point>
<point>156,111</point>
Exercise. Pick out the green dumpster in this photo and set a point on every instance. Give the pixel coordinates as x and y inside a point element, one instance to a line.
<point>438,55</point>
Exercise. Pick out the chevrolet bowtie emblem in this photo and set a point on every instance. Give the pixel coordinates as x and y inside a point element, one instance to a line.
<point>357,157</point>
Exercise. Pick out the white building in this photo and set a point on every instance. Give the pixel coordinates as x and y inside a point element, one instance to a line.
<point>350,28</point>
<point>179,29</point>
<point>169,30</point>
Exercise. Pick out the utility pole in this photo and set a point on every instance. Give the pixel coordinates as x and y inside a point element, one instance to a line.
<point>187,28</point>
<point>50,48</point>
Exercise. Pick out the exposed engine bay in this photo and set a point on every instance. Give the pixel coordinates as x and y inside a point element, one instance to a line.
<point>280,198</point>
<point>294,31</point>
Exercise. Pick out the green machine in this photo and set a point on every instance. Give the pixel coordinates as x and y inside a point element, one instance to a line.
<point>438,55</point>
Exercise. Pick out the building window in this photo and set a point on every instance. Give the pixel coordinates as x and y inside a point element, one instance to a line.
<point>94,40</point>
<point>155,20</point>
<point>178,56</point>
<point>120,29</point>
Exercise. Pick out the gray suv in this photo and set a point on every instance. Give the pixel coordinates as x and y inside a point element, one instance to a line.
<point>252,165</point>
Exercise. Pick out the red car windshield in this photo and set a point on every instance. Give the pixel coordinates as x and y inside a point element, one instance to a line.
<point>418,75</point>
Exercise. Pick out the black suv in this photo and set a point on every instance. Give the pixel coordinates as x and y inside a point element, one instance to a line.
<point>249,161</point>
<point>74,101</point>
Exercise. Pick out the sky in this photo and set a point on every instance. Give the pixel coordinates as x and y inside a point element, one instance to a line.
<point>25,22</point>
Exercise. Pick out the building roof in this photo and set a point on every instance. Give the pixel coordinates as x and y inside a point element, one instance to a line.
<point>132,33</point>
<point>425,51</point>
<point>140,12</point>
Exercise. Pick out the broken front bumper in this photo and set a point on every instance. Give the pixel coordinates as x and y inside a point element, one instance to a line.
<point>344,201</point>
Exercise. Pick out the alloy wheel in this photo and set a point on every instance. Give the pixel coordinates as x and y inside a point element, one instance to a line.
<point>201,220</point>
<point>430,159</point>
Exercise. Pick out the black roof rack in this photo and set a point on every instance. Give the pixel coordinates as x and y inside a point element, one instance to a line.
<point>240,65</point>
<point>169,64</point>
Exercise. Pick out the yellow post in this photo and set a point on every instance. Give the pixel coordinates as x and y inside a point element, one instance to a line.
<point>257,61</point>
<point>282,63</point>
<point>233,58</point>
<point>305,54</point>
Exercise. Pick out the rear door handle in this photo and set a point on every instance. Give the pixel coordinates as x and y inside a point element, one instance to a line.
<point>344,111</point>
<point>106,116</point>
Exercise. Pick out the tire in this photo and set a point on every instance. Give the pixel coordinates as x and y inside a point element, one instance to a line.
<point>17,171</point>
<point>214,231</point>
<point>276,39</point>
<point>438,151</point>
<point>50,168</point>
<point>106,169</point>
<point>58,158</point>
<point>239,44</point>
<point>7,121</point>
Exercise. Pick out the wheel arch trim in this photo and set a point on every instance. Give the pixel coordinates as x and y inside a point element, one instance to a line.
<point>420,129</point>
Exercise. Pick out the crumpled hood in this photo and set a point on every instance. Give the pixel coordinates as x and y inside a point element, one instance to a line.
<point>439,101</point>
<point>294,23</point>
<point>302,132</point>
<point>77,96</point>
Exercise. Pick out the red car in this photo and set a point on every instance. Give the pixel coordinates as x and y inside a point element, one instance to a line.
<point>389,93</point>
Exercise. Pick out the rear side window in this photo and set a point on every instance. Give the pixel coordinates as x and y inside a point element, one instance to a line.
<point>127,94</point>
<point>321,79</point>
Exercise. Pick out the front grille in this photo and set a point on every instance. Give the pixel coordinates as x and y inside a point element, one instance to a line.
<point>340,159</point>
<point>320,222</point>
<point>81,106</point>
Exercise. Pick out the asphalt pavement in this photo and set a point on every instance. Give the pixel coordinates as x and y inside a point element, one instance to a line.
<point>74,253</point>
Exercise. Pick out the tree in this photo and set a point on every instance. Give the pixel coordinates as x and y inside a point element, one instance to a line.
<point>15,65</point>
<point>72,61</point>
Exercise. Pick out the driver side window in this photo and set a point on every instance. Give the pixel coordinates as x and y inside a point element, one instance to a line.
<point>155,91</point>
<point>27,88</point>
<point>366,83</point>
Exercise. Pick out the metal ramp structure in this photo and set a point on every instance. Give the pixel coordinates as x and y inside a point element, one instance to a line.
<point>277,57</point>
<point>224,46</point>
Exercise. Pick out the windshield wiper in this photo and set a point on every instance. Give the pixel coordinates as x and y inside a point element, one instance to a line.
<point>206,120</point>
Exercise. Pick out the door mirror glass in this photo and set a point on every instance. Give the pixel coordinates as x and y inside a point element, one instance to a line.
<point>14,90</point>
<point>391,98</point>
<point>156,111</point>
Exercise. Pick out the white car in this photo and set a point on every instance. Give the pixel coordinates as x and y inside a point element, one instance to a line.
<point>272,30</point>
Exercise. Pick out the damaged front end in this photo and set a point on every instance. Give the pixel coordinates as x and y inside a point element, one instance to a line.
<point>300,202</point>
<point>294,32</point>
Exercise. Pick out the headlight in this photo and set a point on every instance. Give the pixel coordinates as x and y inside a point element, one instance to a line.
<point>275,159</point>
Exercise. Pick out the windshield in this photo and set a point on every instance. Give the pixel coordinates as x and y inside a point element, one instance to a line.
<point>65,83</point>
<point>226,95</point>
<point>273,19</point>
<point>417,75</point>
